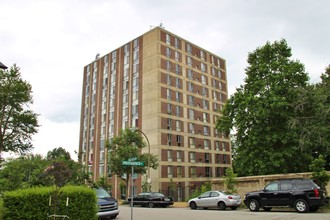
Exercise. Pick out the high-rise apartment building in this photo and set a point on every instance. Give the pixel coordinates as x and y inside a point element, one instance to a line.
<point>169,89</point>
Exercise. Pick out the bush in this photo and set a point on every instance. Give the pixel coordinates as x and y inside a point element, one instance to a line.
<point>38,203</point>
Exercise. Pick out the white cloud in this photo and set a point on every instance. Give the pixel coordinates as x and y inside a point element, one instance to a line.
<point>53,40</point>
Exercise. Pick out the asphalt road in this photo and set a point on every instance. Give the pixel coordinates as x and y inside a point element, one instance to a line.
<point>142,213</point>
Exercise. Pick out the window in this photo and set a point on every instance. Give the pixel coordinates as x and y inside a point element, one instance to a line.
<point>189,48</point>
<point>178,125</point>
<point>169,124</point>
<point>191,128</point>
<point>177,96</point>
<point>168,39</point>
<point>225,159</point>
<point>169,108</point>
<point>192,171</point>
<point>176,43</point>
<point>202,54</point>
<point>189,61</point>
<point>169,139</point>
<point>169,155</point>
<point>207,158</point>
<point>192,156</point>
<point>179,156</point>
<point>136,55</point>
<point>203,67</point>
<point>136,43</point>
<point>215,96</point>
<point>204,91</point>
<point>177,68</point>
<point>178,111</point>
<point>272,187</point>
<point>190,74</point>
<point>191,114</point>
<point>169,94</point>
<point>205,104</point>
<point>207,172</point>
<point>179,171</point>
<point>217,145</point>
<point>169,171</point>
<point>168,65</point>
<point>286,186</point>
<point>204,80</point>
<point>192,142</point>
<point>168,79</point>
<point>177,83</point>
<point>205,117</point>
<point>223,145</point>
<point>178,140</point>
<point>218,172</point>
<point>206,130</point>
<point>206,144</point>
<point>168,52</point>
<point>177,56</point>
<point>191,100</point>
<point>190,87</point>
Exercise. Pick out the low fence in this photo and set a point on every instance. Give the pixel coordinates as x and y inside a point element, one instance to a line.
<point>253,183</point>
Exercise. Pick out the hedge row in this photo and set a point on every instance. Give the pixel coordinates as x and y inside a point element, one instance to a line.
<point>77,202</point>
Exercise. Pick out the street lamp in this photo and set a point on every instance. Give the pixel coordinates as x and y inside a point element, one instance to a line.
<point>148,171</point>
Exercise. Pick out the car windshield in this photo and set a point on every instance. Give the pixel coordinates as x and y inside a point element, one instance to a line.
<point>101,193</point>
<point>158,194</point>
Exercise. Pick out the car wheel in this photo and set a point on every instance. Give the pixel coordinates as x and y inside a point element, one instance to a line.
<point>254,205</point>
<point>151,204</point>
<point>233,207</point>
<point>301,206</point>
<point>193,205</point>
<point>222,206</point>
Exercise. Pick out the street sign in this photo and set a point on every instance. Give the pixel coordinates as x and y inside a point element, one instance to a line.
<point>132,159</point>
<point>132,163</point>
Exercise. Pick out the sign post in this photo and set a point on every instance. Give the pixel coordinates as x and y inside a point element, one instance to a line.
<point>132,162</point>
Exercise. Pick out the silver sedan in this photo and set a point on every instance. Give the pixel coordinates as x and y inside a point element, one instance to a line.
<point>215,199</point>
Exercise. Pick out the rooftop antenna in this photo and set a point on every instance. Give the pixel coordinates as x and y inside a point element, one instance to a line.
<point>97,56</point>
<point>161,25</point>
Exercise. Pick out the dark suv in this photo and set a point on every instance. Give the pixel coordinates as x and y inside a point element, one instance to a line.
<point>301,194</point>
<point>107,206</point>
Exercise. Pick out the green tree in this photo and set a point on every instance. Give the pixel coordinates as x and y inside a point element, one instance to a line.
<point>231,181</point>
<point>312,118</point>
<point>58,153</point>
<point>78,172</point>
<point>23,172</point>
<point>259,112</point>
<point>128,144</point>
<point>319,174</point>
<point>17,122</point>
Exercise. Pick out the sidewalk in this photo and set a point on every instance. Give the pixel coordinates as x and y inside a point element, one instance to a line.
<point>180,205</point>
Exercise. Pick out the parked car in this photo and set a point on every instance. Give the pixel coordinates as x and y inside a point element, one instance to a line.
<point>301,194</point>
<point>151,199</point>
<point>215,199</point>
<point>107,206</point>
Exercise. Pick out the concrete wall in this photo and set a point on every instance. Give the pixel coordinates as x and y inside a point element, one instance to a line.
<point>253,183</point>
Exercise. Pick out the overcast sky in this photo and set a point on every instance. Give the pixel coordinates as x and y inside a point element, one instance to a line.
<point>51,41</point>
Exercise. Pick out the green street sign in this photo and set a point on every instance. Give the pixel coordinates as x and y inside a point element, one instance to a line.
<point>132,163</point>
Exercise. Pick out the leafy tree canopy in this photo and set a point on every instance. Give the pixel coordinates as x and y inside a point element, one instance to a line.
<point>259,112</point>
<point>17,122</point>
<point>34,170</point>
<point>127,145</point>
<point>312,118</point>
